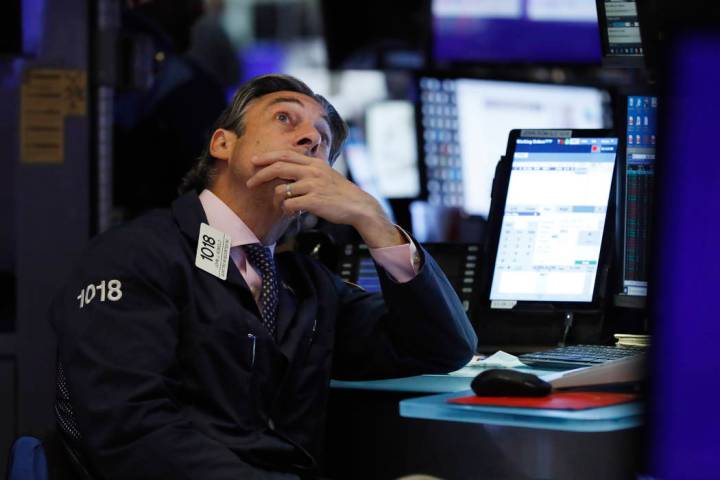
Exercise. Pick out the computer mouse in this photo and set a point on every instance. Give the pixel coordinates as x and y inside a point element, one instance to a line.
<point>506,382</point>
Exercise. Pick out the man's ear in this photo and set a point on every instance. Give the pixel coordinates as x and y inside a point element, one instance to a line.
<point>222,144</point>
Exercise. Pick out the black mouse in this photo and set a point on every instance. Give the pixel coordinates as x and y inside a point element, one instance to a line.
<point>505,382</point>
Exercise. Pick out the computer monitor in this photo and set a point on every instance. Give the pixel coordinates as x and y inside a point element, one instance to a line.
<point>636,188</point>
<point>392,146</point>
<point>376,34</point>
<point>620,33</point>
<point>551,239</point>
<point>464,125</point>
<point>501,32</point>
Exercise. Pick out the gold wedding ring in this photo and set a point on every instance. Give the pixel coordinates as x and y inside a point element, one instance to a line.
<point>288,190</point>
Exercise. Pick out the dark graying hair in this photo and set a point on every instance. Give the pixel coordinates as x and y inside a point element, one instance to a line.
<point>202,173</point>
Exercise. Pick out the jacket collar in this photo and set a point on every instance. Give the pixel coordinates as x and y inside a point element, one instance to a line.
<point>189,214</point>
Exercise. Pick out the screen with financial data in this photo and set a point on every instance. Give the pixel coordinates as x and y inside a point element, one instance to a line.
<point>553,220</point>
<point>639,186</point>
<point>465,124</point>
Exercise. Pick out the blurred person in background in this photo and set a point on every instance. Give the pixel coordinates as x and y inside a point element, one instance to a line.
<point>211,48</point>
<point>165,104</point>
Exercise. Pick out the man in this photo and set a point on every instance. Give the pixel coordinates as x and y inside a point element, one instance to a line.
<point>184,352</point>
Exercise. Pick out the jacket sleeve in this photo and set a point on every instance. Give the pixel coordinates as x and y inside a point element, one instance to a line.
<point>117,328</point>
<point>416,327</point>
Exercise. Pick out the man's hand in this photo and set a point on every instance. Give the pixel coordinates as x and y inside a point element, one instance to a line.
<point>322,191</point>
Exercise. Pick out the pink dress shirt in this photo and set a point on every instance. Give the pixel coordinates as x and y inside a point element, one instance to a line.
<point>397,260</point>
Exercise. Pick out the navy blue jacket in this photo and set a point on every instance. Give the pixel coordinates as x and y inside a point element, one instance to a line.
<point>168,372</point>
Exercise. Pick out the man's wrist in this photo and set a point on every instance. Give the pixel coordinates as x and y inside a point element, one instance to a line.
<point>377,231</point>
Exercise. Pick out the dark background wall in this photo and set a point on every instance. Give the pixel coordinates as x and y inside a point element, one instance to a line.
<point>44,211</point>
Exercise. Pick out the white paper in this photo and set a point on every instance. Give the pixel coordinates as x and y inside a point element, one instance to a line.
<point>498,359</point>
<point>213,251</point>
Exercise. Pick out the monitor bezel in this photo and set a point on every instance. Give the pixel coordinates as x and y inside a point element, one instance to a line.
<point>500,188</point>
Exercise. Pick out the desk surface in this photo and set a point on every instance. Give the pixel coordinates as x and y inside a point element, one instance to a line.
<point>419,384</point>
<point>457,384</point>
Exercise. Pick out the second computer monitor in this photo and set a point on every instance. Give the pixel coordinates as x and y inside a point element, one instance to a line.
<point>636,191</point>
<point>465,122</point>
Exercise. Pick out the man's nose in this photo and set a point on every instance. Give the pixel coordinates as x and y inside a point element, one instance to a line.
<point>309,139</point>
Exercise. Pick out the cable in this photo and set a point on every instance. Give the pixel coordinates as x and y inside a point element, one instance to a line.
<point>569,316</point>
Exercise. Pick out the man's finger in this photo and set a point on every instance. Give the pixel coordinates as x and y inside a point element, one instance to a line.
<point>302,203</point>
<point>289,156</point>
<point>283,170</point>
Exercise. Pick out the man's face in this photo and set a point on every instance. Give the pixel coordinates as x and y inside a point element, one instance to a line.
<point>275,122</point>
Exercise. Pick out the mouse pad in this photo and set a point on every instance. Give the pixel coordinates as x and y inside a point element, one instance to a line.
<point>557,400</point>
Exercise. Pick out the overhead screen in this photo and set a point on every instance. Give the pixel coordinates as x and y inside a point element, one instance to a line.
<point>620,33</point>
<point>507,31</point>
<point>466,122</point>
<point>623,28</point>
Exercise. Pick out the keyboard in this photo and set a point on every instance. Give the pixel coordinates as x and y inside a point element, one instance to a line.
<point>577,356</point>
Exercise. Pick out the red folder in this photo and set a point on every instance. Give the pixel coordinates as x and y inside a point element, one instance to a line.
<point>555,401</point>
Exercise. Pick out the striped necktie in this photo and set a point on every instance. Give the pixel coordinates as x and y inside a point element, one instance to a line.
<point>262,260</point>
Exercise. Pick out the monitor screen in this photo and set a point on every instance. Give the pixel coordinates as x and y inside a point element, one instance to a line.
<point>639,186</point>
<point>620,32</point>
<point>553,219</point>
<point>392,144</point>
<point>507,31</point>
<point>465,125</point>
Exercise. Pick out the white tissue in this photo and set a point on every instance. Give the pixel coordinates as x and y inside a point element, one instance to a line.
<point>498,359</point>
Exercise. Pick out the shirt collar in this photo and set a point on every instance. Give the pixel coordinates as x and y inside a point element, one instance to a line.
<point>221,217</point>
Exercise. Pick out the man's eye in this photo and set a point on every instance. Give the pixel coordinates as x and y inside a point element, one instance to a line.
<point>283,117</point>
